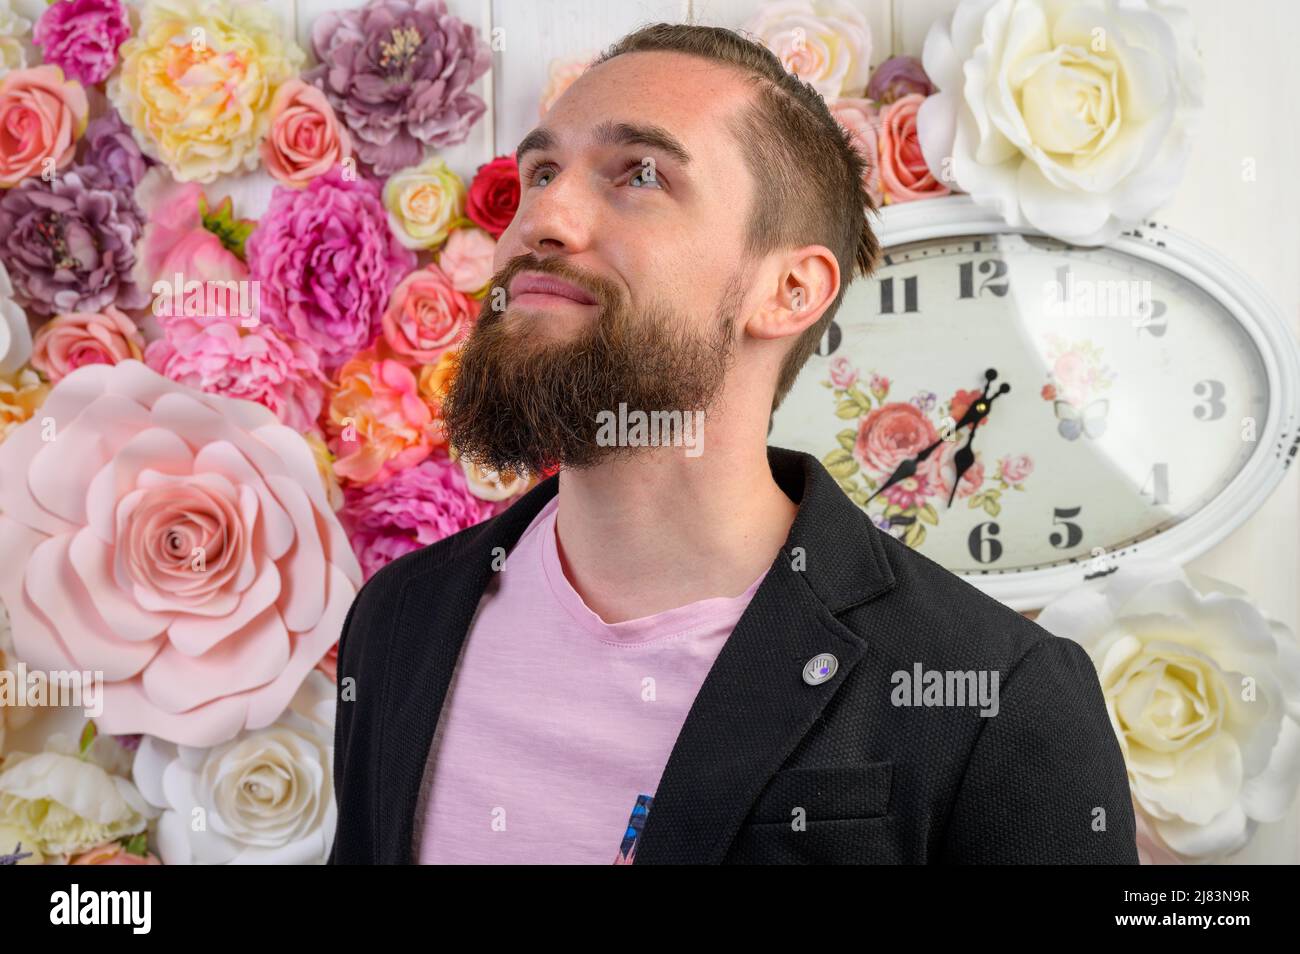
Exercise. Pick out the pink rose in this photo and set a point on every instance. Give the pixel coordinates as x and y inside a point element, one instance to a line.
<point>306,138</point>
<point>178,542</point>
<point>467,260</point>
<point>215,353</point>
<point>861,119</point>
<point>426,315</point>
<point>940,469</point>
<point>1070,371</point>
<point>66,342</point>
<point>561,74</point>
<point>843,374</point>
<point>41,117</point>
<point>112,853</point>
<point>904,175</point>
<point>1015,469</point>
<point>175,241</point>
<point>891,434</point>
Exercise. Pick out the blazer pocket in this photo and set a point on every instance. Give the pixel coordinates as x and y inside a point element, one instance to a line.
<point>826,793</point>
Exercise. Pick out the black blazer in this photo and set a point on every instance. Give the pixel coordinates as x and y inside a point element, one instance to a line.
<point>1041,781</point>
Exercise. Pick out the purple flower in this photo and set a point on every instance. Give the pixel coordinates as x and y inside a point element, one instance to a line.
<point>398,73</point>
<point>82,36</point>
<point>109,151</point>
<point>897,77</point>
<point>326,262</point>
<point>415,507</point>
<point>69,244</point>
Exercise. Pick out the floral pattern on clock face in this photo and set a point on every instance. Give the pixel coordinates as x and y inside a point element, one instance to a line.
<point>1134,400</point>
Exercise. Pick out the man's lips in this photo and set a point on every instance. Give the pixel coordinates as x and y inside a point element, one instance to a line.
<point>541,287</point>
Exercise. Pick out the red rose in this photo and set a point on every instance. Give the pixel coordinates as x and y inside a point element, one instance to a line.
<point>494,195</point>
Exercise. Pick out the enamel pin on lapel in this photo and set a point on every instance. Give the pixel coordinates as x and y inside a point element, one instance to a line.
<point>820,668</point>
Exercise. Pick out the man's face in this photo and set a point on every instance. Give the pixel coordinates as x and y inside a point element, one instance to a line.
<point>634,194</point>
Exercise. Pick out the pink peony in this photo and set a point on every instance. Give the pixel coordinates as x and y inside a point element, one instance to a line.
<point>467,260</point>
<point>904,175</point>
<point>306,138</point>
<point>327,261</point>
<point>82,37</point>
<point>413,508</point>
<point>426,315</point>
<point>379,422</point>
<point>68,341</point>
<point>178,542</point>
<point>215,353</point>
<point>41,117</point>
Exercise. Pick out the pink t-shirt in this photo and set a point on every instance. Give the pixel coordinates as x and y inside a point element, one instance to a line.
<point>558,725</point>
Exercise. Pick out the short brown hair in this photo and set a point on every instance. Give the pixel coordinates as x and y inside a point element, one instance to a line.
<point>808,173</point>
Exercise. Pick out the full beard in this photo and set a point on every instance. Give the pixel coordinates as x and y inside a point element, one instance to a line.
<point>524,403</point>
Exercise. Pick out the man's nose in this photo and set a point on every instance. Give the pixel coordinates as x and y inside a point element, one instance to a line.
<point>558,217</point>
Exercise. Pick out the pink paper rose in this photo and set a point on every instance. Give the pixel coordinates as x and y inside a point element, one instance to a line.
<point>306,138</point>
<point>178,542</point>
<point>41,117</point>
<point>861,119</point>
<point>217,354</point>
<point>82,37</point>
<point>66,342</point>
<point>426,315</point>
<point>467,260</point>
<point>904,175</point>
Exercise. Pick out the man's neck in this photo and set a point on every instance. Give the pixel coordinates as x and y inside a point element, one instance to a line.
<point>657,530</point>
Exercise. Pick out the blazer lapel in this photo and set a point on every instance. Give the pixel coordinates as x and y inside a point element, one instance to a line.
<point>754,706</point>
<point>431,621</point>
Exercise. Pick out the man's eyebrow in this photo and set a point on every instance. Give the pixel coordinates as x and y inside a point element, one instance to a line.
<point>611,133</point>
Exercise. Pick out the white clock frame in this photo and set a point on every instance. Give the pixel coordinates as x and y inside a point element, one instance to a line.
<point>1276,443</point>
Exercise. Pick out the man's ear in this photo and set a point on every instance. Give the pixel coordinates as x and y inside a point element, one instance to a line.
<point>807,282</point>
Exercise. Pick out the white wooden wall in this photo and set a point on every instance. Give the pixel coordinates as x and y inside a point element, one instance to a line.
<point>1252,73</point>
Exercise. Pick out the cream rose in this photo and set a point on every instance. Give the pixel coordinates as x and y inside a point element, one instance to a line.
<point>826,43</point>
<point>1204,695</point>
<point>424,203</point>
<point>265,797</point>
<point>1073,118</point>
<point>15,39</point>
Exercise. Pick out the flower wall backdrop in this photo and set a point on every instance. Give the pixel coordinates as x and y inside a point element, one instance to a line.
<point>238,251</point>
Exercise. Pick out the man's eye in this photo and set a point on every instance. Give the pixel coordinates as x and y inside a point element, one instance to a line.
<point>644,174</point>
<point>535,170</point>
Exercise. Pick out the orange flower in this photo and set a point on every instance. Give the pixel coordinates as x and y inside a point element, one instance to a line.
<point>378,421</point>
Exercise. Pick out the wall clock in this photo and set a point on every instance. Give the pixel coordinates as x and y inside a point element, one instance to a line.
<point>1031,414</point>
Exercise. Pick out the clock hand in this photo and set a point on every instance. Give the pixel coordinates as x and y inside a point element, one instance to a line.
<point>965,458</point>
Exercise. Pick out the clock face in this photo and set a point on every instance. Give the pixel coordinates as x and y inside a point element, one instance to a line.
<point>1135,399</point>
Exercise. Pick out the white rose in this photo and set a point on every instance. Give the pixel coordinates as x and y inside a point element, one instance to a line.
<point>1204,696</point>
<point>266,796</point>
<point>15,333</point>
<point>1074,118</point>
<point>827,44</point>
<point>67,803</point>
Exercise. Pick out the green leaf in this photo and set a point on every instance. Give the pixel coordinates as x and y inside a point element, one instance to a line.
<point>863,399</point>
<point>991,506</point>
<point>893,510</point>
<point>929,514</point>
<point>88,735</point>
<point>137,845</point>
<point>859,497</point>
<point>974,500</point>
<point>848,409</point>
<point>840,464</point>
<point>915,535</point>
<point>222,223</point>
<point>848,438</point>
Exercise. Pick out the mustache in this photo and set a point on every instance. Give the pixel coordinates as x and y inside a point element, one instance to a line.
<point>606,294</point>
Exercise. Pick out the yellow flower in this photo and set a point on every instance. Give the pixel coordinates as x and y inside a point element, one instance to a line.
<point>424,203</point>
<point>21,394</point>
<point>196,83</point>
